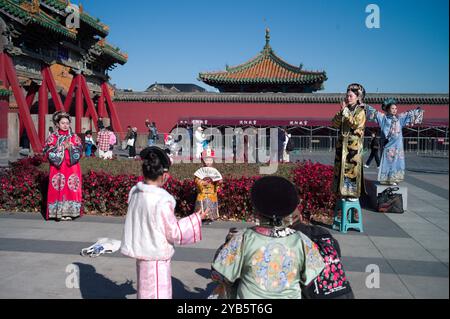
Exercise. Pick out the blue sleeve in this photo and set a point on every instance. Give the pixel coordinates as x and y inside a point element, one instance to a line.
<point>411,117</point>
<point>372,115</point>
<point>55,156</point>
<point>54,153</point>
<point>76,151</point>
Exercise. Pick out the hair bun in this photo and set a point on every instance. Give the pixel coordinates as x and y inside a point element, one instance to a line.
<point>387,103</point>
<point>152,153</point>
<point>152,160</point>
<point>57,116</point>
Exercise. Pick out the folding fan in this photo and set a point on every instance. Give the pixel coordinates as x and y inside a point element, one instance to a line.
<point>210,172</point>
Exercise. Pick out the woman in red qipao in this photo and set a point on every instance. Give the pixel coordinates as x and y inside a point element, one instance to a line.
<point>63,150</point>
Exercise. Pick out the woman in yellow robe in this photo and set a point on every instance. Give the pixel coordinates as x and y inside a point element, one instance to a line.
<point>207,190</point>
<point>351,121</point>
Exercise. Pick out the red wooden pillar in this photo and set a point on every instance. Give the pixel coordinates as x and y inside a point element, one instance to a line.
<point>101,106</point>
<point>4,103</point>
<point>114,116</point>
<point>4,107</point>
<point>51,87</point>
<point>43,109</point>
<point>90,104</point>
<point>69,97</point>
<point>30,95</point>
<point>24,112</point>
<point>29,99</point>
<point>78,105</point>
<point>80,88</point>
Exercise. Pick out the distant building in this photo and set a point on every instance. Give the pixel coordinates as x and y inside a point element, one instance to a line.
<point>265,73</point>
<point>175,88</point>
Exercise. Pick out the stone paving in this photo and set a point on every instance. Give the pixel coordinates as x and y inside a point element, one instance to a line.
<point>410,250</point>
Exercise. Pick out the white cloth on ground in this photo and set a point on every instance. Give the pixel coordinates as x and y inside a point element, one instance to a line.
<point>102,246</point>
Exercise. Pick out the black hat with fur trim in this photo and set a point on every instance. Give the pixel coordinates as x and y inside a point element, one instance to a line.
<point>274,196</point>
<point>162,155</point>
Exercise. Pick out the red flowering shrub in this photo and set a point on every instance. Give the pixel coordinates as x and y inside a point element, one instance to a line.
<point>20,185</point>
<point>315,182</point>
<point>184,193</point>
<point>107,194</point>
<point>23,188</point>
<point>234,198</point>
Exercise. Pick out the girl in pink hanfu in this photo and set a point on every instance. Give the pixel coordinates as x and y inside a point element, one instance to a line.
<point>63,150</point>
<point>151,228</point>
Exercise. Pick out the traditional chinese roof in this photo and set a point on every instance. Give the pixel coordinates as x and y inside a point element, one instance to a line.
<point>376,98</point>
<point>174,87</point>
<point>60,7</point>
<point>30,12</point>
<point>115,53</point>
<point>265,69</point>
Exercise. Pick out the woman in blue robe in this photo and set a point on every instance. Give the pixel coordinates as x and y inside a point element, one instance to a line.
<point>392,168</point>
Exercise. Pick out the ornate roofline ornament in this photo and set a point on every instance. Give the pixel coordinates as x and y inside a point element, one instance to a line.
<point>267,46</point>
<point>33,7</point>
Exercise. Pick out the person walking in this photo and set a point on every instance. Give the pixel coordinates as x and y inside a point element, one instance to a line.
<point>112,141</point>
<point>103,140</point>
<point>152,132</point>
<point>374,151</point>
<point>131,143</point>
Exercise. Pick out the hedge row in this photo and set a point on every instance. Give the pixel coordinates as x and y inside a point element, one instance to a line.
<point>106,184</point>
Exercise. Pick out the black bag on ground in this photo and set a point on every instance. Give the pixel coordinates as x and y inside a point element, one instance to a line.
<point>389,202</point>
<point>332,282</point>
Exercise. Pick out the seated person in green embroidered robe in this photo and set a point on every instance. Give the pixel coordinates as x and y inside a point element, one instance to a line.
<point>271,260</point>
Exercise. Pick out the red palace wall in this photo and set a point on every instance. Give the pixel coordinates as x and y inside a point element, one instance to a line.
<point>166,115</point>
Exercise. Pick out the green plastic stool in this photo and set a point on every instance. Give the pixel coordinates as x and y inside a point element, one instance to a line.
<point>346,221</point>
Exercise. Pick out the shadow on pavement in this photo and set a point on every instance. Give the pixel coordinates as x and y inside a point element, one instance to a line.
<point>179,290</point>
<point>43,188</point>
<point>96,286</point>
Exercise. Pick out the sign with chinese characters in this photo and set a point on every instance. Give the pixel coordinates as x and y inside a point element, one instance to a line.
<point>247,122</point>
<point>300,123</point>
<point>199,122</point>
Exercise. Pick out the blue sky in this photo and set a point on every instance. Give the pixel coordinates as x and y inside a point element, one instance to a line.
<point>172,41</point>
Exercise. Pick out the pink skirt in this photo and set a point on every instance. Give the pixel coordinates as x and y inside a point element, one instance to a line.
<point>154,279</point>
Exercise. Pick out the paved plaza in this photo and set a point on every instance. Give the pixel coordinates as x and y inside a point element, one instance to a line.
<point>410,250</point>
